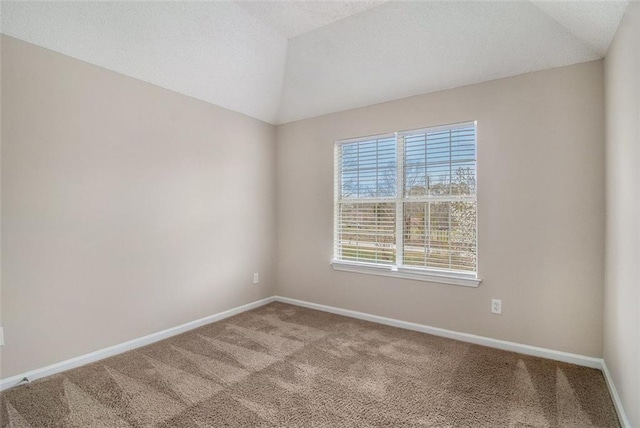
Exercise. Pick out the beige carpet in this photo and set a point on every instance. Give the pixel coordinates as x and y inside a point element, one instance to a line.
<point>285,366</point>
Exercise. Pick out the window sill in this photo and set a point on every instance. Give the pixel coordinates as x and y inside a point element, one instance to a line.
<point>407,273</point>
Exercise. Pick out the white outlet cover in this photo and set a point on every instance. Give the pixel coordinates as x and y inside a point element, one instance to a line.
<point>1,336</point>
<point>256,278</point>
<point>496,306</point>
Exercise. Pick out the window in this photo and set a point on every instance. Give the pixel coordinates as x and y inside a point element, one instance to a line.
<point>406,204</point>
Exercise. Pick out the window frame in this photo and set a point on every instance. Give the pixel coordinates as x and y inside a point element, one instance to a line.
<point>399,270</point>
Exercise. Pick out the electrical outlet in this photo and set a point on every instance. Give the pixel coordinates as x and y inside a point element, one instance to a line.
<point>1,336</point>
<point>496,306</point>
<point>256,278</point>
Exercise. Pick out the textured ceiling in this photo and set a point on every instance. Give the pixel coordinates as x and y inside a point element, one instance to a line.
<point>292,18</point>
<point>280,61</point>
<point>398,49</point>
<point>593,22</point>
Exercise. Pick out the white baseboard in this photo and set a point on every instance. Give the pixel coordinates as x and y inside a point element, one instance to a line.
<point>535,351</point>
<point>581,360</point>
<point>622,416</point>
<point>126,346</point>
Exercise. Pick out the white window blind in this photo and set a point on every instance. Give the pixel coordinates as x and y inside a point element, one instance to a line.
<point>408,200</point>
<point>366,177</point>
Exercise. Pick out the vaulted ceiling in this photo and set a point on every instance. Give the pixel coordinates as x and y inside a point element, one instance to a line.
<point>281,61</point>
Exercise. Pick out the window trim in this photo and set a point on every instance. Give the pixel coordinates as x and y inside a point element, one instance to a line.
<point>401,271</point>
<point>404,272</point>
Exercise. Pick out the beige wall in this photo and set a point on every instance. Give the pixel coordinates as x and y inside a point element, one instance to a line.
<point>126,208</point>
<point>541,210</point>
<point>622,289</point>
<point>2,347</point>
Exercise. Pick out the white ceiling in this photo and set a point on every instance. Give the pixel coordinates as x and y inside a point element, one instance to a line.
<point>292,18</point>
<point>280,61</point>
<point>399,49</point>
